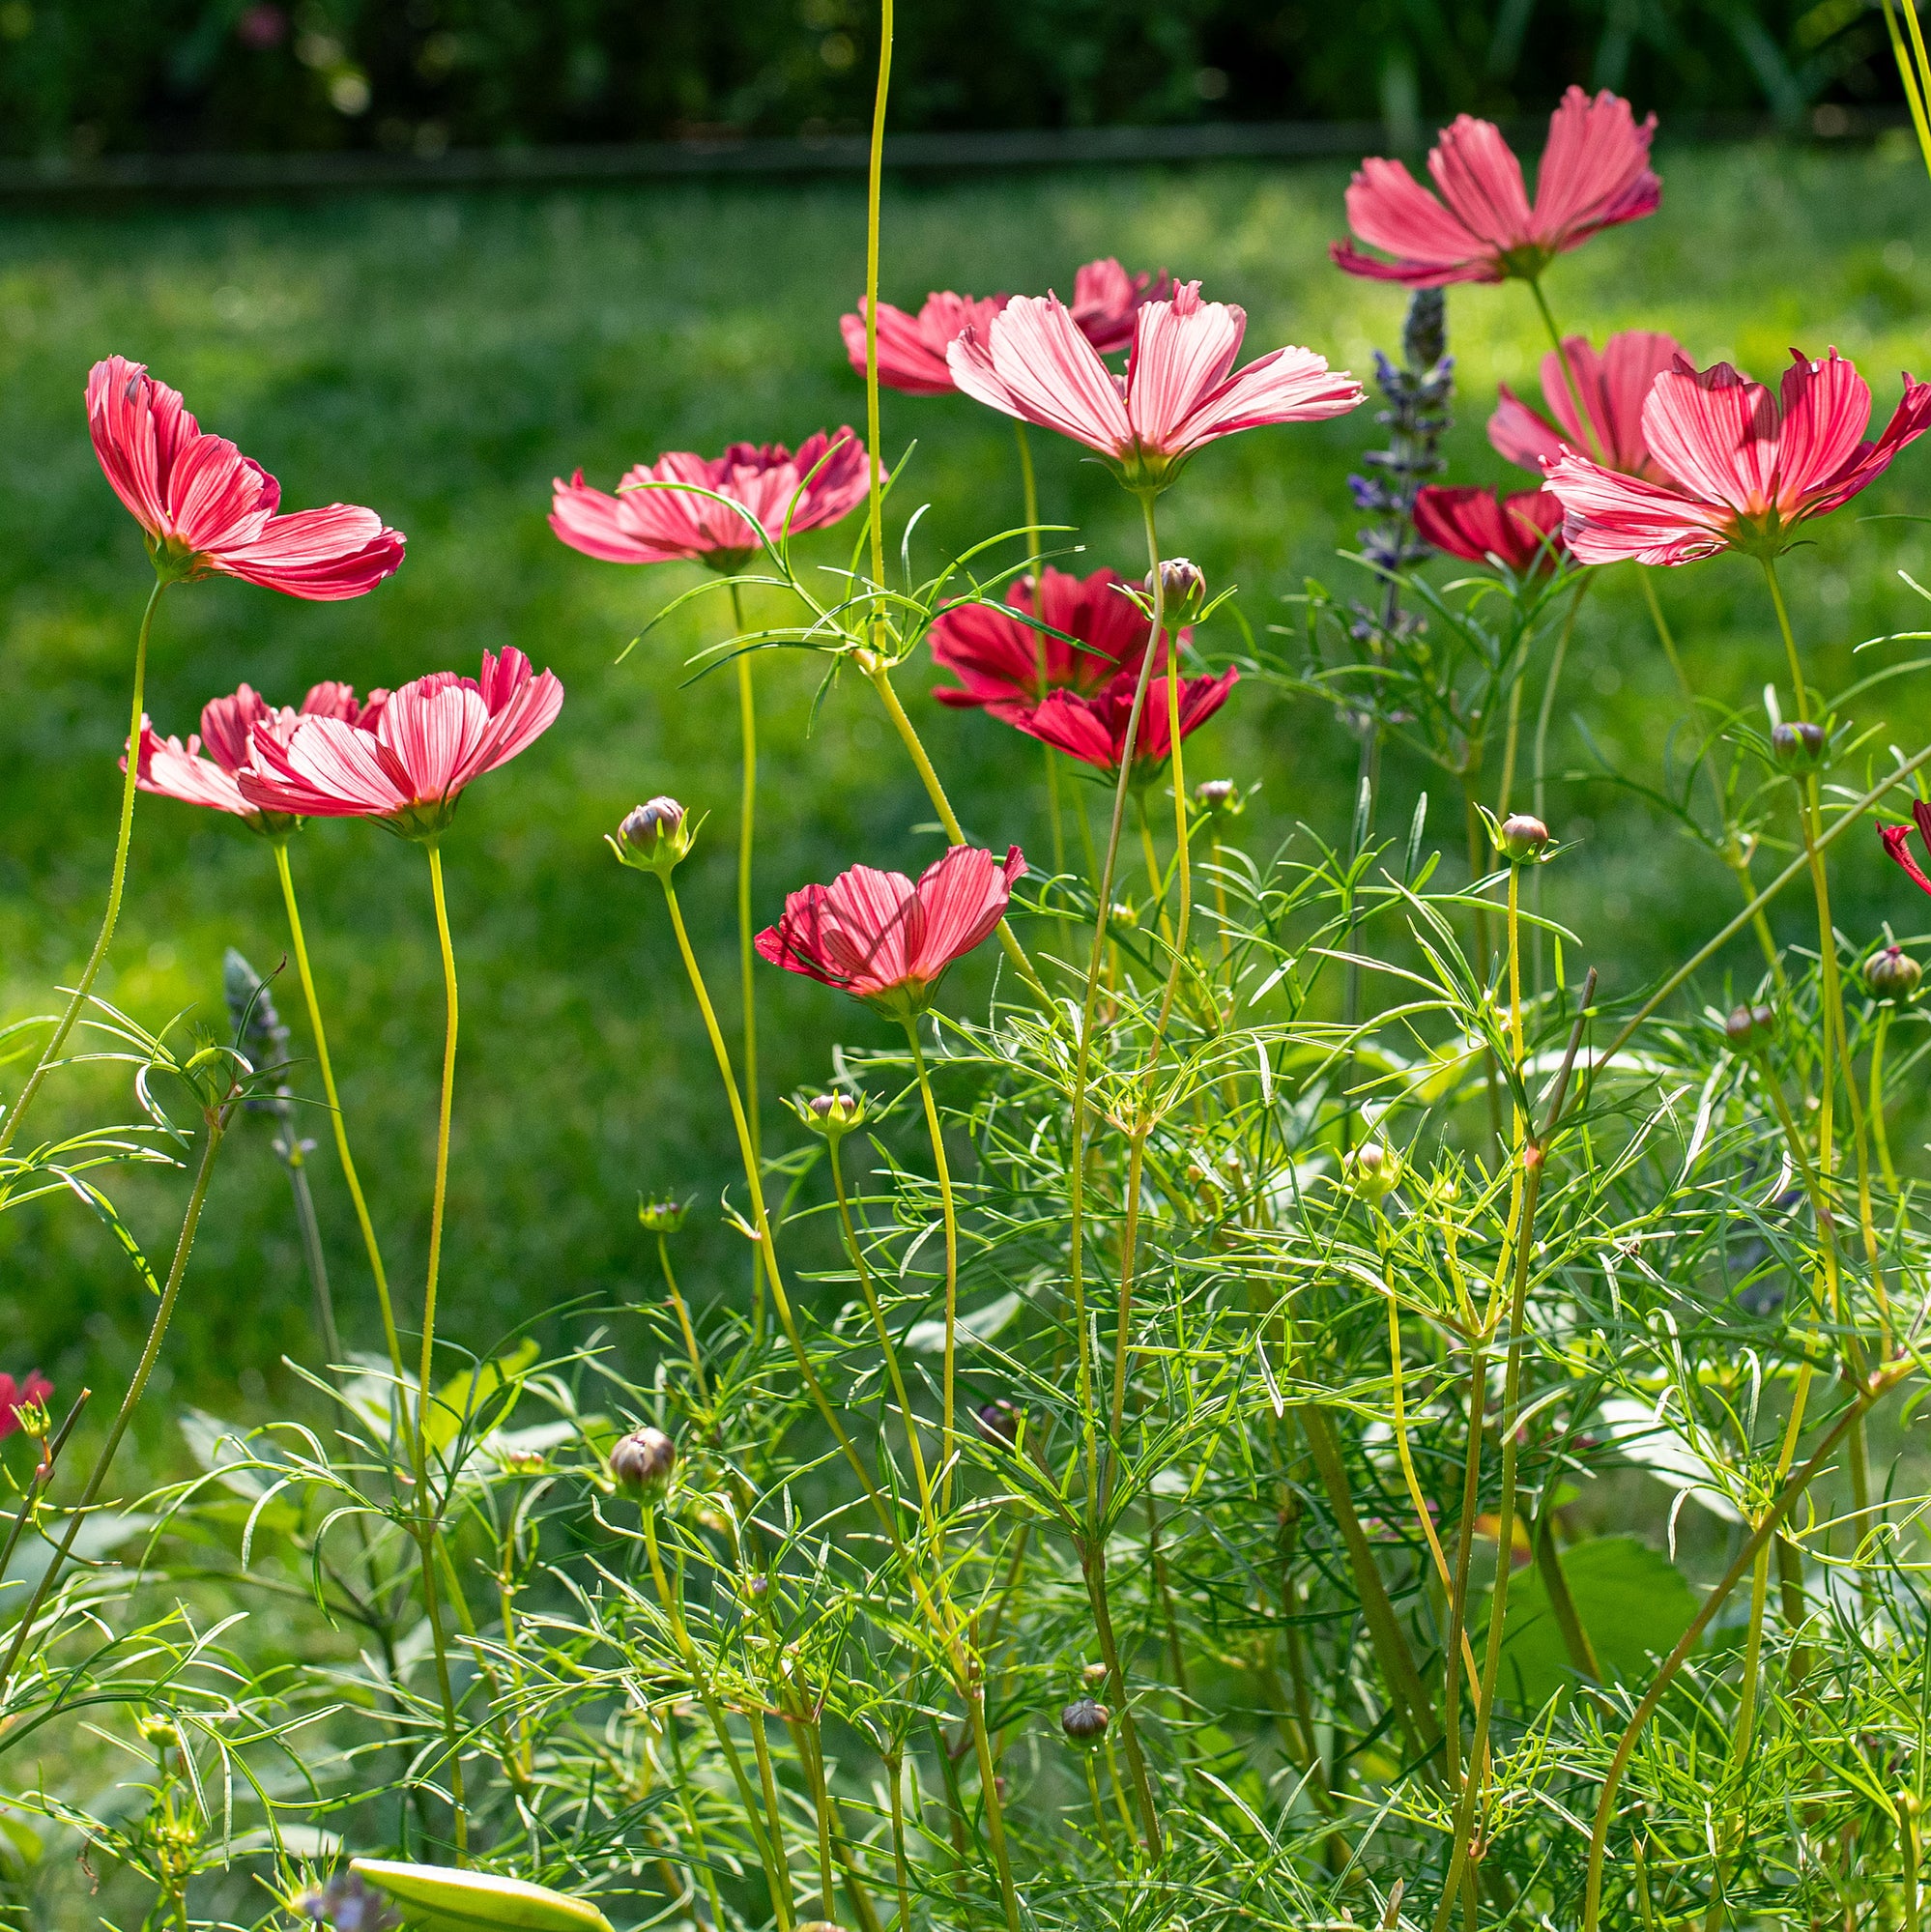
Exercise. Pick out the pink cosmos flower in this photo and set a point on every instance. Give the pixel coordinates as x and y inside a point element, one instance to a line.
<point>997,659</point>
<point>1094,730</point>
<point>1747,465</point>
<point>1521,531</point>
<point>1180,391</point>
<point>888,942</point>
<point>1611,388</point>
<point>207,509</point>
<point>1594,173</point>
<point>646,522</point>
<point>912,348</point>
<point>205,770</point>
<point>32,1391</point>
<point>406,765</point>
<point>1897,843</point>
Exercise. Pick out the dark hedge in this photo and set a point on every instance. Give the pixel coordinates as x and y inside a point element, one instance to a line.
<point>87,76</point>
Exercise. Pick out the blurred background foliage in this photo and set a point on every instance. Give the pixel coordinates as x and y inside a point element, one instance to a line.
<point>443,357</point>
<point>82,77</point>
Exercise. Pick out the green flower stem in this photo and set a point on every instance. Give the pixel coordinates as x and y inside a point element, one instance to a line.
<point>1852,815</point>
<point>774,1827</point>
<point>684,1314</point>
<point>50,1054</point>
<point>1464,1550</point>
<point>875,175</point>
<point>747,836</point>
<point>948,1209</point>
<point>900,1870</point>
<point>868,1288</point>
<point>214,1129</point>
<point>996,1824</point>
<point>1878,1039</point>
<point>1539,755</point>
<point>1094,1567</point>
<point>428,1523</point>
<point>672,1604</point>
<point>1744,1563</point>
<point>1176,769</point>
<point>1123,1330</point>
<point>336,1119</point>
<point>1744,1732</point>
<point>882,681</point>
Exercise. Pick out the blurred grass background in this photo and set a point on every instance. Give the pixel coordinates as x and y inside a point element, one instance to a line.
<point>442,359</point>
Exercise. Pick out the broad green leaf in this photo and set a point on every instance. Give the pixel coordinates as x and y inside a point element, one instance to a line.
<point>433,1898</point>
<point>1631,1598</point>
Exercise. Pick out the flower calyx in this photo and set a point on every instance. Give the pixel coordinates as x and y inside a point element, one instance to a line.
<point>655,837</point>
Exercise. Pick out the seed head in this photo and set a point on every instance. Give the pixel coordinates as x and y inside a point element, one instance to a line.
<point>1085,1722</point>
<point>1183,592</point>
<point>641,1464</point>
<point>1523,839</point>
<point>1892,974</point>
<point>655,837</point>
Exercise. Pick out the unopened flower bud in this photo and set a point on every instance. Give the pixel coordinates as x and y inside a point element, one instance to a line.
<point>999,1422</point>
<point>1125,915</point>
<point>160,1732</point>
<point>1890,974</point>
<point>1218,797</point>
<point>662,1217</point>
<point>1749,1027</point>
<point>653,837</point>
<point>833,1114</point>
<point>1085,1722</point>
<point>1522,838</point>
<point>641,1464</point>
<point>1798,747</point>
<point>1373,1171</point>
<point>1094,1674</point>
<point>1183,591</point>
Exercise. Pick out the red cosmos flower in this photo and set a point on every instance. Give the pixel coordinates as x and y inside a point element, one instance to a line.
<point>1747,465</point>
<point>1094,730</point>
<point>996,659</point>
<point>1897,843</point>
<point>405,765</point>
<point>203,771</point>
<point>1611,388</point>
<point>1594,173</point>
<point>885,941</point>
<point>1180,391</point>
<point>33,1391</point>
<point>207,509</point>
<point>650,521</point>
<point>912,348</point>
<point>1521,531</point>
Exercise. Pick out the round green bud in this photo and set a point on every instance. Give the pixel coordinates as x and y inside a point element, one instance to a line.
<point>1183,592</point>
<point>1085,1722</point>
<point>1522,839</point>
<point>1373,1171</point>
<point>1891,974</point>
<point>641,1464</point>
<point>662,1217</point>
<point>653,837</point>
<point>1800,746</point>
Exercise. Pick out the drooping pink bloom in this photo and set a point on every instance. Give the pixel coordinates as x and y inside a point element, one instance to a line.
<point>1094,730</point>
<point>1594,172</point>
<point>1610,388</point>
<point>912,348</point>
<point>33,1390</point>
<point>205,770</point>
<point>207,509</point>
<point>1747,465</point>
<point>1005,665</point>
<point>1521,531</point>
<point>407,765</point>
<point>883,939</point>
<point>1180,391</point>
<point>1897,843</point>
<point>668,511</point>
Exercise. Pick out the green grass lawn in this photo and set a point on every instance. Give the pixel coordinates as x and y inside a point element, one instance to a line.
<point>442,359</point>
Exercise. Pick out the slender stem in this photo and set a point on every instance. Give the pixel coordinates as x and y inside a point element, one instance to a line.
<point>684,1314</point>
<point>1093,1567</point>
<point>216,1127</point>
<point>1511,738</point>
<point>429,1528</point>
<point>50,1054</point>
<point>901,1869</point>
<point>1745,1732</point>
<point>1877,1098</point>
<point>1123,1330</point>
<point>874,187</point>
<point>774,1827</point>
<point>988,1791</point>
<point>948,1209</point>
<point>1464,1550</point>
<point>747,836</point>
<point>313,1258</point>
<point>1539,793</point>
<point>336,1119</point>
<point>1177,774</point>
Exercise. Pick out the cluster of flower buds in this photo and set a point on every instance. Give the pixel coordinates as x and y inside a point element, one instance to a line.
<point>641,1464</point>
<point>655,837</point>
<point>662,1217</point>
<point>1799,748</point>
<point>1522,839</point>
<point>1892,975</point>
<point>1183,592</point>
<point>1749,1027</point>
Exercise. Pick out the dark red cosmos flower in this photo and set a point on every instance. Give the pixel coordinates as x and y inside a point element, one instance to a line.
<point>1007,665</point>
<point>1521,531</point>
<point>34,1389</point>
<point>1897,843</point>
<point>1094,729</point>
